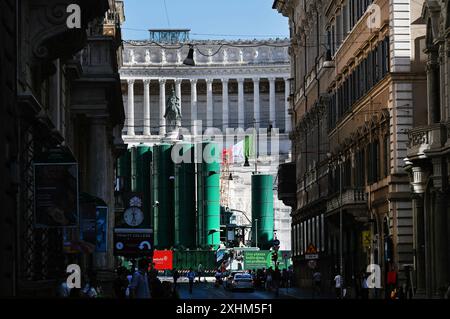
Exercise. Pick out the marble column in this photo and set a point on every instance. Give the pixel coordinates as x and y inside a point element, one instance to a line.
<point>147,130</point>
<point>209,103</point>
<point>178,89</point>
<point>256,102</point>
<point>241,115</point>
<point>287,92</point>
<point>225,109</point>
<point>193,105</point>
<point>272,101</point>
<point>178,94</point>
<point>162,106</point>
<point>130,111</point>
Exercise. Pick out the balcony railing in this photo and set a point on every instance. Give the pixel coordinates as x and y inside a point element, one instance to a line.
<point>350,196</point>
<point>426,139</point>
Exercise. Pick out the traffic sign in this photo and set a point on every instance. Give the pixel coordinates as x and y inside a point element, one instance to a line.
<point>133,242</point>
<point>311,249</point>
<point>311,253</point>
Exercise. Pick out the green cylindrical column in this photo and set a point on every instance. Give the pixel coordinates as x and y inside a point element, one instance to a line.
<point>262,210</point>
<point>124,171</point>
<point>142,176</point>
<point>185,197</point>
<point>209,194</point>
<point>163,189</point>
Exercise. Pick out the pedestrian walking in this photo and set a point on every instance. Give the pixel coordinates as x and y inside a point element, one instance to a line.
<point>317,283</point>
<point>339,286</point>
<point>365,287</point>
<point>447,294</point>
<point>290,277</point>
<point>276,279</point>
<point>269,279</point>
<point>120,284</point>
<point>139,287</point>
<point>92,289</point>
<point>191,277</point>
<point>63,289</point>
<point>175,276</point>
<point>156,289</point>
<point>284,278</point>
<point>153,272</point>
<point>200,272</point>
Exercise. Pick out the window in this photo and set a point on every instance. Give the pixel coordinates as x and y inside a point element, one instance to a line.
<point>333,39</point>
<point>347,178</point>
<point>385,61</point>
<point>339,30</point>
<point>387,156</point>
<point>359,168</point>
<point>345,24</point>
<point>373,162</point>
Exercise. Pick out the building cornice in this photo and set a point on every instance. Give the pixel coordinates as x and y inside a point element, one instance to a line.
<point>199,72</point>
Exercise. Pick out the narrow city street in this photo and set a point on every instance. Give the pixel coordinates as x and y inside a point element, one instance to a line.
<point>300,143</point>
<point>208,290</point>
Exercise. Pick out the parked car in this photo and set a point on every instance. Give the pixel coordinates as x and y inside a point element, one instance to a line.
<point>242,281</point>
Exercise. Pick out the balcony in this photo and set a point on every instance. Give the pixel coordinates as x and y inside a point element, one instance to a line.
<point>352,199</point>
<point>287,186</point>
<point>428,139</point>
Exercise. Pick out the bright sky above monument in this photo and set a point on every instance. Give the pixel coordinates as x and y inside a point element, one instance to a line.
<point>207,19</point>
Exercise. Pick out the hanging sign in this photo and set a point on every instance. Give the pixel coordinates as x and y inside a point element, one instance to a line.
<point>56,195</point>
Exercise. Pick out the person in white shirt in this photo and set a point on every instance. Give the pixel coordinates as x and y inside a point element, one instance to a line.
<point>339,281</point>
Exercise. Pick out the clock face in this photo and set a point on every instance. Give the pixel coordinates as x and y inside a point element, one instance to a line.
<point>133,216</point>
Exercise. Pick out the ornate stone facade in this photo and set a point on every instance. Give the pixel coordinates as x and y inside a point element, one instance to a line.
<point>428,160</point>
<point>233,85</point>
<point>61,91</point>
<point>348,59</point>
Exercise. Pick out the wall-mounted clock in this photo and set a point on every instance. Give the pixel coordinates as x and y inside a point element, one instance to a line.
<point>133,216</point>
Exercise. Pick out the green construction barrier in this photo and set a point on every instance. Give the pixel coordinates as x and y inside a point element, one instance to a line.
<point>185,214</point>
<point>208,197</point>
<point>141,171</point>
<point>185,259</point>
<point>124,171</point>
<point>163,196</point>
<point>262,210</point>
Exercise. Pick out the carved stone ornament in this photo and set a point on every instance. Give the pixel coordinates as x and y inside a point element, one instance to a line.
<point>50,36</point>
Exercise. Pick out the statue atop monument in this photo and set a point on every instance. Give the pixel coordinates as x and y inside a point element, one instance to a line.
<point>173,111</point>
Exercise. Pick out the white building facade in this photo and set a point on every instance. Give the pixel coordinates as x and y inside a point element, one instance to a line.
<point>234,86</point>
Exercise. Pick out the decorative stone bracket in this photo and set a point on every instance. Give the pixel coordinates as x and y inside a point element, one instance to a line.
<point>50,36</point>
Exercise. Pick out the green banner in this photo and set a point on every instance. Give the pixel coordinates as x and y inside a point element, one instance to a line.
<point>263,259</point>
